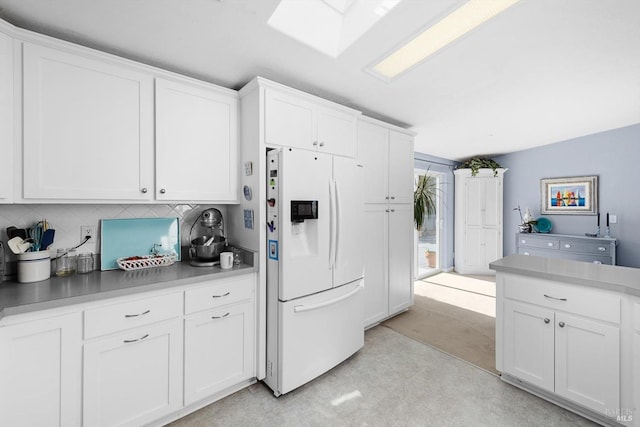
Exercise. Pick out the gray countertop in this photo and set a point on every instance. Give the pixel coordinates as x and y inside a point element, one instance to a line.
<point>18,298</point>
<point>610,277</point>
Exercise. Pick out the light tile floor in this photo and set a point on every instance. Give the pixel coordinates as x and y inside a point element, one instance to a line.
<point>392,381</point>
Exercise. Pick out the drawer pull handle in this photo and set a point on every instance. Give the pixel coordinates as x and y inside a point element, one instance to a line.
<point>561,324</point>
<point>139,339</point>
<point>557,299</point>
<point>220,296</point>
<point>567,245</point>
<point>602,248</point>
<point>547,320</point>
<point>526,253</point>
<point>549,244</point>
<point>220,317</point>
<point>139,314</point>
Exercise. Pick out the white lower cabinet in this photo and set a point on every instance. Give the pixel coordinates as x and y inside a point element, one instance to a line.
<point>563,339</point>
<point>134,377</point>
<point>388,283</point>
<point>218,350</point>
<point>41,372</point>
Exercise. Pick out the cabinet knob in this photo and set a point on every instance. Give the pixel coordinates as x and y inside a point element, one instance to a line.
<point>386,198</point>
<point>526,253</point>
<point>144,190</point>
<point>315,143</point>
<point>597,262</point>
<point>322,144</point>
<point>162,191</point>
<point>393,197</point>
<point>547,320</point>
<point>561,324</point>
<point>393,210</point>
<point>602,248</point>
<point>567,245</point>
<point>386,210</point>
<point>549,244</point>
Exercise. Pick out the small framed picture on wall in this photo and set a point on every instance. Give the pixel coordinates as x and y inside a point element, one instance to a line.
<point>577,195</point>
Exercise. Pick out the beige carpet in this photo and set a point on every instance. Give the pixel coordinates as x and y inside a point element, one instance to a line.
<point>455,314</point>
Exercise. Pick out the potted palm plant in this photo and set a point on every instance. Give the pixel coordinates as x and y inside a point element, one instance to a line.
<point>424,204</point>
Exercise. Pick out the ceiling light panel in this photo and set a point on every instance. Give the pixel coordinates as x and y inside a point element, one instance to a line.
<point>458,23</point>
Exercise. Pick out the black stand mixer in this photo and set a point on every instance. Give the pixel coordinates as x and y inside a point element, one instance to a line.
<point>205,249</point>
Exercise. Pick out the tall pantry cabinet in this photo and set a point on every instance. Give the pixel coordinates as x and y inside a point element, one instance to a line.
<point>478,220</point>
<point>387,155</point>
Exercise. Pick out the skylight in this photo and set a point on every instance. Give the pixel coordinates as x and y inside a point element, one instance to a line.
<point>329,26</point>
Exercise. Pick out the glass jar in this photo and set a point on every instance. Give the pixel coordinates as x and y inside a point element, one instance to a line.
<point>66,262</point>
<point>85,263</point>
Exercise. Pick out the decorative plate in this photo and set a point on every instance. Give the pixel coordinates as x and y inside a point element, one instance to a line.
<point>543,225</point>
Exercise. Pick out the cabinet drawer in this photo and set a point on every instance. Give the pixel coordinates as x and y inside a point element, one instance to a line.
<point>119,317</point>
<point>596,259</point>
<point>586,247</point>
<point>589,302</point>
<point>219,293</point>
<point>538,242</point>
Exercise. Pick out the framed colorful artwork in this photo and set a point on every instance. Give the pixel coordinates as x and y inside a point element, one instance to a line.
<point>577,195</point>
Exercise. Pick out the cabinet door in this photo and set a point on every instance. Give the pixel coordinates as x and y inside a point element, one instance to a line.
<point>375,247</point>
<point>529,343</point>
<point>588,362</point>
<point>373,146</point>
<point>133,378</point>
<point>474,202</point>
<point>196,132</point>
<point>400,168</point>
<point>289,121</point>
<point>474,254</point>
<point>6,118</point>
<point>41,371</point>
<point>336,132</point>
<point>492,202</point>
<point>218,350</point>
<point>400,257</point>
<point>88,128</point>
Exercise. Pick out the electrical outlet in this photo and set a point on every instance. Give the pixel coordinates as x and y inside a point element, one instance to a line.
<point>613,219</point>
<point>87,230</point>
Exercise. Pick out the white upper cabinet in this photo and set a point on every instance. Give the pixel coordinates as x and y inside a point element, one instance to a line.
<point>298,121</point>
<point>88,127</point>
<point>387,156</point>
<point>6,118</point>
<point>196,142</point>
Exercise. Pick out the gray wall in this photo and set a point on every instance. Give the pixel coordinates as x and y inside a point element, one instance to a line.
<point>436,164</point>
<point>613,155</point>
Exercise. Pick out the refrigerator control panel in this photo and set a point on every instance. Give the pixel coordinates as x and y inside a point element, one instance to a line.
<point>304,209</point>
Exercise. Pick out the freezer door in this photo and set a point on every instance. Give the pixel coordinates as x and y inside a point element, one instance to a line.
<point>348,198</point>
<point>305,264</point>
<point>317,333</point>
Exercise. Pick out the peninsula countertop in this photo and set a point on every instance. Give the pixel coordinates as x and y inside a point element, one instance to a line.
<point>19,298</point>
<point>609,277</point>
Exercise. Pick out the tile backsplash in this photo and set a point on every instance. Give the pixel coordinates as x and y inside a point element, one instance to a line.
<point>67,220</point>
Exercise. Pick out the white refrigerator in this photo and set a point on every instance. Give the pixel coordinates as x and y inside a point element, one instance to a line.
<point>315,305</point>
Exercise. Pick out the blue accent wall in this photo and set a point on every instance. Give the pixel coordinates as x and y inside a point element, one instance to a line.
<point>444,166</point>
<point>612,155</point>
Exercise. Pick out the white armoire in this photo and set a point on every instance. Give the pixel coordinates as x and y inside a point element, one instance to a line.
<point>478,220</point>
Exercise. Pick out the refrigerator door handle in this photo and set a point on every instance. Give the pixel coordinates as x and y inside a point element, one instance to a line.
<point>303,308</point>
<point>332,225</point>
<point>338,224</point>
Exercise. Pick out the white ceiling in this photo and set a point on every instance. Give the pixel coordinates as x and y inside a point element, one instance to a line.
<point>541,72</point>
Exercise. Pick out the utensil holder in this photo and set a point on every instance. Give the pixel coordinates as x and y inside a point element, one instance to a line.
<point>34,266</point>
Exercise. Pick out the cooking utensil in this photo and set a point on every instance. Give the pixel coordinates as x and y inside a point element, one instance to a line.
<point>36,234</point>
<point>18,245</point>
<point>210,241</point>
<point>47,238</point>
<point>14,231</point>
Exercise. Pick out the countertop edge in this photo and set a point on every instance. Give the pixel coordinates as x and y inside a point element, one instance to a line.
<point>507,265</point>
<point>33,307</point>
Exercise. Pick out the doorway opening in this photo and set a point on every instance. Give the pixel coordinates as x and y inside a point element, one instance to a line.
<point>428,246</point>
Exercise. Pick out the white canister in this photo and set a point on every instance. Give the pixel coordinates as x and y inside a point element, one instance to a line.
<point>34,266</point>
<point>226,260</point>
